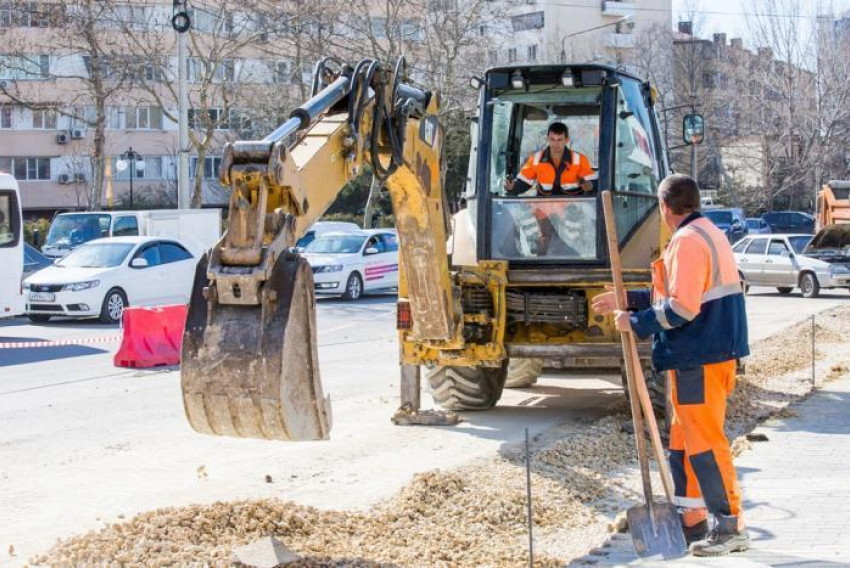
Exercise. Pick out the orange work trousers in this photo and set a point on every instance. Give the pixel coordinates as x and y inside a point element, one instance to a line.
<point>700,456</point>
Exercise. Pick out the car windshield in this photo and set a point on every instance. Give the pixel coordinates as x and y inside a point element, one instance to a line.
<point>336,244</point>
<point>799,243</point>
<point>98,255</point>
<point>76,229</point>
<point>719,217</point>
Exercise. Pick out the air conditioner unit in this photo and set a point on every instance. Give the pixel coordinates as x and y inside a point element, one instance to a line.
<point>78,134</point>
<point>79,178</point>
<point>62,138</point>
<point>64,179</point>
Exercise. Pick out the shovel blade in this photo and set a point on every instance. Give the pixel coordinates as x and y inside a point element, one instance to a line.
<point>657,531</point>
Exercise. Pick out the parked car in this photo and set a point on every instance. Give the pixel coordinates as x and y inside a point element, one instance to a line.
<point>758,226</point>
<point>790,222</point>
<point>729,220</point>
<point>34,261</point>
<point>102,277</point>
<point>323,228</point>
<point>349,264</point>
<point>795,261</point>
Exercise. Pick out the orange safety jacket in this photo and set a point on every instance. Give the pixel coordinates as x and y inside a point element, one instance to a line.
<point>563,180</point>
<point>695,309</point>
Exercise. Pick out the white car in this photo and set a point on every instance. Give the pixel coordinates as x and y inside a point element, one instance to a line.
<point>795,261</point>
<point>320,228</point>
<point>102,277</point>
<point>349,264</point>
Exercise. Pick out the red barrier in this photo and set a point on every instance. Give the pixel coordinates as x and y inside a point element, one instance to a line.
<point>152,336</point>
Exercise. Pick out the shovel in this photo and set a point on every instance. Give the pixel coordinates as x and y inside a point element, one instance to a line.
<point>655,527</point>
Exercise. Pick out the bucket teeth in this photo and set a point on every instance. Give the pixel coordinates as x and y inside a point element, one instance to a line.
<point>252,371</point>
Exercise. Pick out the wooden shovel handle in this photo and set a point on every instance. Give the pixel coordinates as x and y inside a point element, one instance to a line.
<point>638,393</point>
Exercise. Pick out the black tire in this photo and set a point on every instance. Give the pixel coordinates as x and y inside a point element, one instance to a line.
<point>785,290</point>
<point>809,285</point>
<point>467,388</point>
<point>39,318</point>
<point>523,373</point>
<point>111,311</point>
<point>353,288</point>
<point>744,286</point>
<point>657,392</point>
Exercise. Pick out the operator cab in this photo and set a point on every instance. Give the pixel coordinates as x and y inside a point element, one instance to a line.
<point>611,122</point>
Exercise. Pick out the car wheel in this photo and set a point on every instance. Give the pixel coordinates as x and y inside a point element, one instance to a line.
<point>809,285</point>
<point>744,286</point>
<point>353,288</point>
<point>785,290</point>
<point>39,318</point>
<point>113,306</point>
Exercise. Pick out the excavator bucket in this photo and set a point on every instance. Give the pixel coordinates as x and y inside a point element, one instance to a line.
<point>252,371</point>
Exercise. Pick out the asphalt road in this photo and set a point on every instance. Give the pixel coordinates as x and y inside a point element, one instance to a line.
<point>83,442</point>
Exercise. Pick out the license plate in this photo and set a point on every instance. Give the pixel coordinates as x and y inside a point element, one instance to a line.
<point>42,296</point>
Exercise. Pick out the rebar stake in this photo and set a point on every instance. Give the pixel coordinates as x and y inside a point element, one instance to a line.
<point>528,501</point>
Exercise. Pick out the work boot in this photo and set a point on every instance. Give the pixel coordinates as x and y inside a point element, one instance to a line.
<point>724,539</point>
<point>696,533</point>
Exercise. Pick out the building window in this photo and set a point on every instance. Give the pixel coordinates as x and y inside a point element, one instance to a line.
<point>6,116</point>
<point>152,169</point>
<point>709,80</point>
<point>5,15</point>
<point>27,169</point>
<point>143,118</point>
<point>512,55</point>
<point>38,14</point>
<point>44,119</point>
<point>211,166</point>
<point>26,67</point>
<point>493,56</point>
<point>283,72</point>
<point>219,119</point>
<point>532,52</point>
<point>530,21</point>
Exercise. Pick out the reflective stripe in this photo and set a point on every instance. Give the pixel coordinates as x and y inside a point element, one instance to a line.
<point>569,186</point>
<point>537,157</point>
<point>661,316</point>
<point>681,310</point>
<point>576,158</point>
<point>592,176</point>
<point>546,186</point>
<point>689,502</point>
<point>715,276</point>
<point>525,179</point>
<point>722,291</point>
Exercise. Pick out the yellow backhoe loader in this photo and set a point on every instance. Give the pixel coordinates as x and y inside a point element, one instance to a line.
<point>507,280</point>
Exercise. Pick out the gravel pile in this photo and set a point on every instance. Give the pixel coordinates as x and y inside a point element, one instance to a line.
<point>471,516</point>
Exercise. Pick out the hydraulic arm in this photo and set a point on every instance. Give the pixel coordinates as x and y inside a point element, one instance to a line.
<point>250,366</point>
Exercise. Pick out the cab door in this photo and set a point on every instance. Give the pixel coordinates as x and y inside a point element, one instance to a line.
<point>376,264</point>
<point>779,269</point>
<point>751,262</point>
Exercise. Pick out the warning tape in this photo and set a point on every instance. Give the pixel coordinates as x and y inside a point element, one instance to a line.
<point>60,343</point>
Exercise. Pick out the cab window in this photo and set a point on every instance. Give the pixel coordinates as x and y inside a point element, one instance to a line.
<point>636,170</point>
<point>172,252</point>
<point>127,226</point>
<point>390,242</point>
<point>777,248</point>
<point>758,246</point>
<point>375,243</point>
<point>150,253</point>
<point>9,220</point>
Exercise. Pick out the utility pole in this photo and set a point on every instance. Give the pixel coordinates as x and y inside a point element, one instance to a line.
<point>694,166</point>
<point>181,24</point>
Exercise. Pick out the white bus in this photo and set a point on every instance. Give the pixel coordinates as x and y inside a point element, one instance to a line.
<point>11,248</point>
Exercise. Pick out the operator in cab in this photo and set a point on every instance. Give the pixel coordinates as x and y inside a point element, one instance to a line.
<point>558,169</point>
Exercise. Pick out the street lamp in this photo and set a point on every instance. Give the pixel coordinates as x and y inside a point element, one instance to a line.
<point>563,51</point>
<point>133,160</point>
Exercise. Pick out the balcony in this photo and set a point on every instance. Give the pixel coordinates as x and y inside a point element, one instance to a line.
<point>618,41</point>
<point>618,9</point>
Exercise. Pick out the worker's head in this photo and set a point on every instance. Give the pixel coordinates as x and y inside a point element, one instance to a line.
<point>558,137</point>
<point>679,196</point>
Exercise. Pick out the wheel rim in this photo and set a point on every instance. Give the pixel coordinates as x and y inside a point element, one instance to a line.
<point>115,306</point>
<point>807,284</point>
<point>354,287</point>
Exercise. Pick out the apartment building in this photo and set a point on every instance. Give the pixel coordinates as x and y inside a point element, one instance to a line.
<point>553,30</point>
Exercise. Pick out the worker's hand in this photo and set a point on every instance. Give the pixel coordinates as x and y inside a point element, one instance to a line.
<point>605,303</point>
<point>509,183</point>
<point>585,185</point>
<point>622,321</point>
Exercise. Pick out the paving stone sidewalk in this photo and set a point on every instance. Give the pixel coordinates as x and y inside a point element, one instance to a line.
<point>796,488</point>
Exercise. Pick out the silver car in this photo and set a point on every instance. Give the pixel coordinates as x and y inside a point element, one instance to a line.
<point>785,262</point>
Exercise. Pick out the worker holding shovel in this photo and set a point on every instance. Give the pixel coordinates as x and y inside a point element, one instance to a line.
<point>695,311</point>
